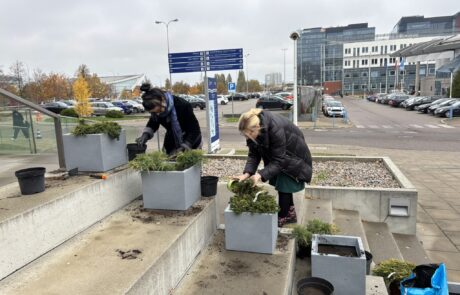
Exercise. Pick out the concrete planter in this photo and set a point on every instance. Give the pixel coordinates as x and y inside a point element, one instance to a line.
<point>346,274</point>
<point>171,190</point>
<point>94,152</point>
<point>250,232</point>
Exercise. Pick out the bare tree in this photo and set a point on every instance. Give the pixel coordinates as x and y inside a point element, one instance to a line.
<point>19,73</point>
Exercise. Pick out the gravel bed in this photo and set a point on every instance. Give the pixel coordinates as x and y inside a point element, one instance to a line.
<point>327,173</point>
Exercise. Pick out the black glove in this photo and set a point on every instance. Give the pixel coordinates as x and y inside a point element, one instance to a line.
<point>142,140</point>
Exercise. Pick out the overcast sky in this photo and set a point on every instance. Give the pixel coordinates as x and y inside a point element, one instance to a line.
<point>120,37</point>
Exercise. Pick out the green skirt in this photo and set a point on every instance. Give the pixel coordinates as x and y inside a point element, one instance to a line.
<point>286,184</point>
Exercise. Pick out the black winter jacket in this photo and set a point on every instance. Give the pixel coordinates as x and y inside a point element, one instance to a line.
<point>188,123</point>
<point>282,147</point>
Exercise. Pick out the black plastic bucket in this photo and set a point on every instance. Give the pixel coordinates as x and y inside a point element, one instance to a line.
<point>134,149</point>
<point>209,186</point>
<point>368,262</point>
<point>31,180</point>
<point>314,286</point>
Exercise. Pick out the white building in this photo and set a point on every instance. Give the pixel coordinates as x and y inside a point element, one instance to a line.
<point>273,79</point>
<point>120,83</point>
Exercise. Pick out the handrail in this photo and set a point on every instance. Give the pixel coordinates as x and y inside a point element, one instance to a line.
<point>56,118</point>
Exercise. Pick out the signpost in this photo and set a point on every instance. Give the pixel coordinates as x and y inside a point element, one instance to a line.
<point>205,61</point>
<point>232,89</point>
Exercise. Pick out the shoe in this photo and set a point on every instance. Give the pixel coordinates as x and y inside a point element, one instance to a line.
<point>286,220</point>
<point>292,214</point>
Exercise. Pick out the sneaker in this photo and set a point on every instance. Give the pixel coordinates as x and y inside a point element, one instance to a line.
<point>286,220</point>
<point>292,214</point>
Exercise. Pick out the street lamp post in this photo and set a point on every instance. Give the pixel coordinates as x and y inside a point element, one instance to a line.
<point>284,66</point>
<point>295,36</point>
<point>167,40</point>
<point>451,81</point>
<point>247,73</point>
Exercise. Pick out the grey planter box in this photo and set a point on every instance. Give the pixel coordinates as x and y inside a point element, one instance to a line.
<point>346,274</point>
<point>94,152</point>
<point>250,232</point>
<point>171,190</point>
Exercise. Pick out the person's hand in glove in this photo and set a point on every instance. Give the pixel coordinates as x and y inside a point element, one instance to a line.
<point>142,140</point>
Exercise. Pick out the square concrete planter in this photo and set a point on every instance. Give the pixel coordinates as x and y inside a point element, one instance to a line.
<point>94,152</point>
<point>171,190</point>
<point>346,274</point>
<point>250,232</point>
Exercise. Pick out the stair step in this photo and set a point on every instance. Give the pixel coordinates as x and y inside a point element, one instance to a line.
<point>161,245</point>
<point>317,209</point>
<point>411,249</point>
<point>32,226</point>
<point>381,241</point>
<point>218,271</point>
<point>375,286</point>
<point>349,224</point>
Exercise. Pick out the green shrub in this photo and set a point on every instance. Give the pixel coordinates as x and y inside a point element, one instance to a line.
<point>317,226</point>
<point>302,235</point>
<point>245,199</point>
<point>112,129</point>
<point>398,269</point>
<point>70,112</point>
<point>187,159</point>
<point>114,114</point>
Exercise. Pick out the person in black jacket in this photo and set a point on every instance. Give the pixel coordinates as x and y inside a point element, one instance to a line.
<point>287,159</point>
<point>19,125</point>
<point>176,115</point>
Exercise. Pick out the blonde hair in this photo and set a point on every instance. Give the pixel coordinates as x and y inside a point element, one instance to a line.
<point>249,120</point>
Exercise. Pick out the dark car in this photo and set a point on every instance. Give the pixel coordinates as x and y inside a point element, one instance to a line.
<point>127,108</point>
<point>445,111</point>
<point>423,108</point>
<point>237,96</point>
<point>196,102</point>
<point>396,100</point>
<point>273,102</point>
<point>446,103</point>
<point>56,107</point>
<point>419,101</point>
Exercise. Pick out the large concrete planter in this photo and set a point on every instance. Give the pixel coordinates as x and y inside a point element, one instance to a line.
<point>250,232</point>
<point>94,152</point>
<point>346,274</point>
<point>171,190</point>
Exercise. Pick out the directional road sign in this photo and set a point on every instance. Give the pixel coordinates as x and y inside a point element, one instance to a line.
<point>200,61</point>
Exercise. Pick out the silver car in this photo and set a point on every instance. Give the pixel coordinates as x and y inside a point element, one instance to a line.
<point>101,108</point>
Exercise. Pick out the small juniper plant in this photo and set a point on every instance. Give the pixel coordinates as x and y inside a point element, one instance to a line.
<point>250,198</point>
<point>112,129</point>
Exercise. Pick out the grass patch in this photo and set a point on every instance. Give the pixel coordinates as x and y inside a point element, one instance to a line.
<point>232,120</point>
<point>241,152</point>
<point>321,176</point>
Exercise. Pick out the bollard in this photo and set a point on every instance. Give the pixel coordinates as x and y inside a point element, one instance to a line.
<point>333,120</point>
<point>451,113</point>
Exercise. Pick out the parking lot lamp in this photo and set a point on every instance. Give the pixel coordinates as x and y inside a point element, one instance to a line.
<point>167,40</point>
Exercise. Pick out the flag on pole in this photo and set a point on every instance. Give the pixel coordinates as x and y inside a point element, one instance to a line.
<point>401,65</point>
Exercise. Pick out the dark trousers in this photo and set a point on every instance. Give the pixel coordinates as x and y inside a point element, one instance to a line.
<point>17,129</point>
<point>285,201</point>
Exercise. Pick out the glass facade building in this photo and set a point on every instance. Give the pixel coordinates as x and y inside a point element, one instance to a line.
<point>427,26</point>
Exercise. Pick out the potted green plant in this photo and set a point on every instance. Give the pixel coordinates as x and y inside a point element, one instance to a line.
<point>251,219</point>
<point>303,240</point>
<point>393,272</point>
<point>169,184</point>
<point>95,147</point>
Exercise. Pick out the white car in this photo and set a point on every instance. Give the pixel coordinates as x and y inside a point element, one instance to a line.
<point>222,99</point>
<point>101,108</point>
<point>137,107</point>
<point>335,109</point>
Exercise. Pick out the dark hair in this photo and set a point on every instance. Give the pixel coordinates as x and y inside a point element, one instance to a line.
<point>151,97</point>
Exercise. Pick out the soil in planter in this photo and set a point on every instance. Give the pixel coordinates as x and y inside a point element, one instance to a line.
<point>346,251</point>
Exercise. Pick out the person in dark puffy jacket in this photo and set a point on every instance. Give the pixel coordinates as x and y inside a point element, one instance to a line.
<point>287,159</point>
<point>176,115</point>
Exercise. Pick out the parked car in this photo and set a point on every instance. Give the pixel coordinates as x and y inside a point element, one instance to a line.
<point>221,99</point>
<point>396,100</point>
<point>326,99</point>
<point>423,108</point>
<point>237,96</point>
<point>137,107</point>
<point>419,101</point>
<point>286,95</point>
<point>101,108</point>
<point>273,102</point>
<point>69,102</point>
<point>445,111</point>
<point>127,108</point>
<point>195,102</point>
<point>56,107</point>
<point>446,103</point>
<point>334,108</point>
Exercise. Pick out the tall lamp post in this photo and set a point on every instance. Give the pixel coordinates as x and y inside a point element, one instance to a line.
<point>167,40</point>
<point>451,80</point>
<point>284,66</point>
<point>247,74</point>
<point>295,36</point>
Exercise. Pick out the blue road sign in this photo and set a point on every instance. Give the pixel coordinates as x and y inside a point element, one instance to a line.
<point>186,70</point>
<point>186,65</point>
<point>225,51</point>
<point>233,61</point>
<point>185,59</point>
<point>223,56</point>
<point>186,54</point>
<point>232,87</point>
<point>224,67</point>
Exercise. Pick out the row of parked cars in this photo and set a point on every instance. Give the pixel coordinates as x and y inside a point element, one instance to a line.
<point>332,107</point>
<point>434,105</point>
<point>100,107</point>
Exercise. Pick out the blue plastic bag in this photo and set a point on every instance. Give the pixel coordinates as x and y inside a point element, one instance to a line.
<point>438,284</point>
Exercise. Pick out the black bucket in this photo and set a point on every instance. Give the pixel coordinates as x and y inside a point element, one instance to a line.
<point>31,180</point>
<point>368,262</point>
<point>314,286</point>
<point>209,186</point>
<point>134,149</point>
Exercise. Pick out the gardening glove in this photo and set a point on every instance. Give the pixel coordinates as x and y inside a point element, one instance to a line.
<point>142,140</point>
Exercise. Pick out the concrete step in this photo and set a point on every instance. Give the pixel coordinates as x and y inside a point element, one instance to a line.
<point>349,224</point>
<point>218,271</point>
<point>381,242</point>
<point>133,251</point>
<point>30,226</point>
<point>317,209</point>
<point>411,249</point>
